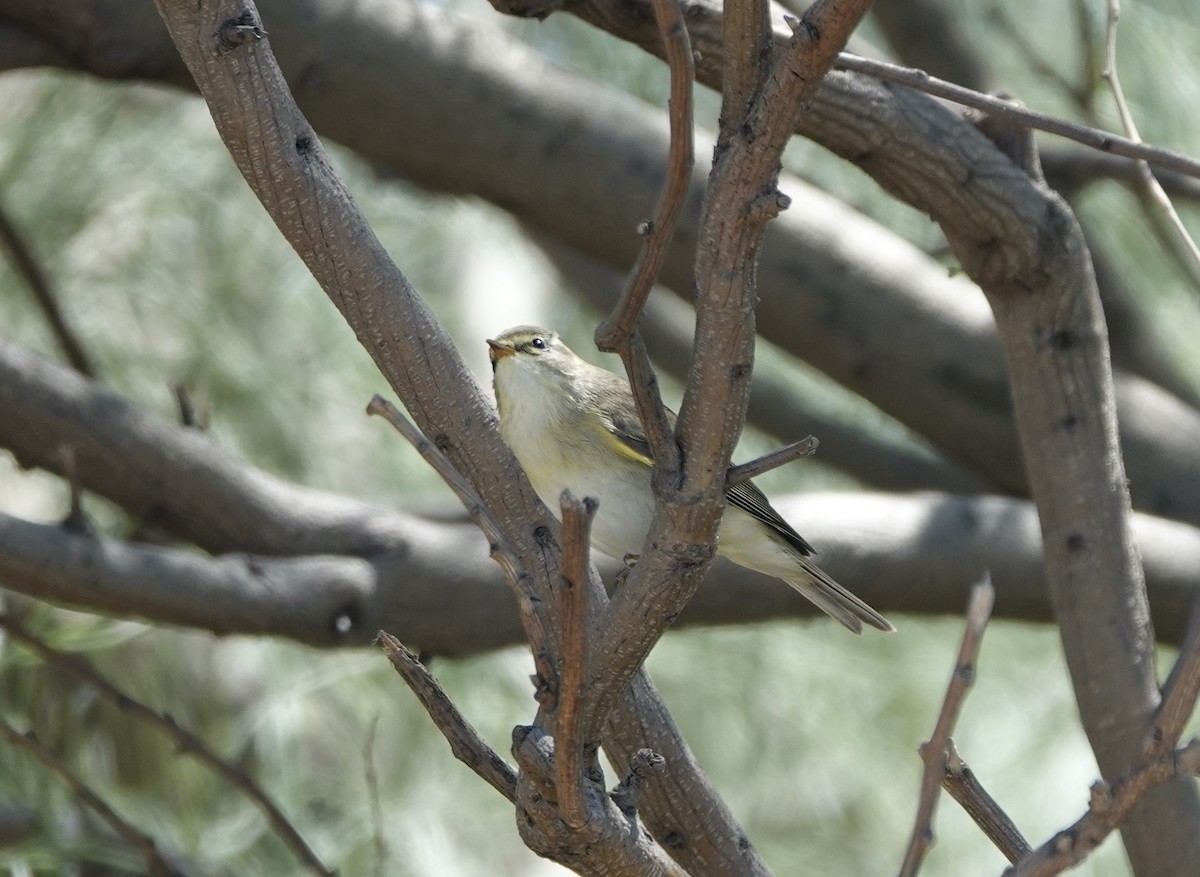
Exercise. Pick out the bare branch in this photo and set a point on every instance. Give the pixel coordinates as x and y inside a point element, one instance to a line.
<point>964,787</point>
<point>44,294</point>
<point>658,232</point>
<point>741,199</point>
<point>806,447</point>
<point>619,332</point>
<point>465,742</point>
<point>934,752</point>
<point>746,39</point>
<point>371,775</point>
<point>1179,691</point>
<point>570,732</point>
<point>144,844</point>
<point>76,519</point>
<point>1103,141</point>
<point>1109,807</point>
<point>501,551</point>
<point>1153,190</point>
<point>185,740</point>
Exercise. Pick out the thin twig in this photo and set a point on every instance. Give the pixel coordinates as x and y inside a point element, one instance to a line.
<point>144,844</point>
<point>933,753</point>
<point>454,479</point>
<point>1179,692</point>
<point>658,232</point>
<point>501,551</point>
<point>964,787</point>
<point>570,745</point>
<point>619,332</point>
<point>1104,141</point>
<point>39,284</point>
<point>1109,807</point>
<point>1150,186</point>
<point>465,742</point>
<point>184,740</point>
<point>806,447</point>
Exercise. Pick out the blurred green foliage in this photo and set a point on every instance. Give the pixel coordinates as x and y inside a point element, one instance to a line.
<point>170,271</point>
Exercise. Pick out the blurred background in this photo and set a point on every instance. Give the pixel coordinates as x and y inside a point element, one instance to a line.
<point>170,271</point>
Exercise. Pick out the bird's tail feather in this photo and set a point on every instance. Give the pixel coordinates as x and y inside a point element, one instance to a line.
<point>834,600</point>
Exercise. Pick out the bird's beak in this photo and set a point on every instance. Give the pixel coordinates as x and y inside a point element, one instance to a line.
<point>498,350</point>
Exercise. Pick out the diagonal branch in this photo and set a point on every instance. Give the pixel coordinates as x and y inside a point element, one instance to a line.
<point>745,471</point>
<point>184,739</point>
<point>1110,806</point>
<point>1103,141</point>
<point>155,863</point>
<point>465,742</point>
<point>964,787</point>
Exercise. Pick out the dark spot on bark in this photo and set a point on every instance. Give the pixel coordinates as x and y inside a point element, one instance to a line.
<point>304,144</point>
<point>541,535</point>
<point>442,442</point>
<point>739,371</point>
<point>674,840</point>
<point>1063,339</point>
<point>1076,542</point>
<point>743,843</point>
<point>1069,423</point>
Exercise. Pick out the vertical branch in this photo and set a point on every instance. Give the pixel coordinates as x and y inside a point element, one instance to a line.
<point>570,745</point>
<point>741,199</point>
<point>619,332</point>
<point>934,752</point>
<point>746,39</point>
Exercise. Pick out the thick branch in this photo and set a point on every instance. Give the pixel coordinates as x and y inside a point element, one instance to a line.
<point>897,330</point>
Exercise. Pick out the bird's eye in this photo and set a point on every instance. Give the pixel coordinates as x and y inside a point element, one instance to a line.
<point>538,343</point>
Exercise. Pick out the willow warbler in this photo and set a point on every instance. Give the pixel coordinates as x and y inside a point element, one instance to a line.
<point>573,425</point>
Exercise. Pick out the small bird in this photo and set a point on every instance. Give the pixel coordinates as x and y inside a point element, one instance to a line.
<point>575,426</point>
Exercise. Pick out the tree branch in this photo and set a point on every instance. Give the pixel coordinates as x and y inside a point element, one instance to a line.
<point>465,742</point>
<point>934,753</point>
<point>184,739</point>
<point>806,447</point>
<point>1103,141</point>
<point>740,200</point>
<point>916,342</point>
<point>963,786</point>
<point>155,863</point>
<point>1110,806</point>
<point>42,290</point>
<point>570,733</point>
